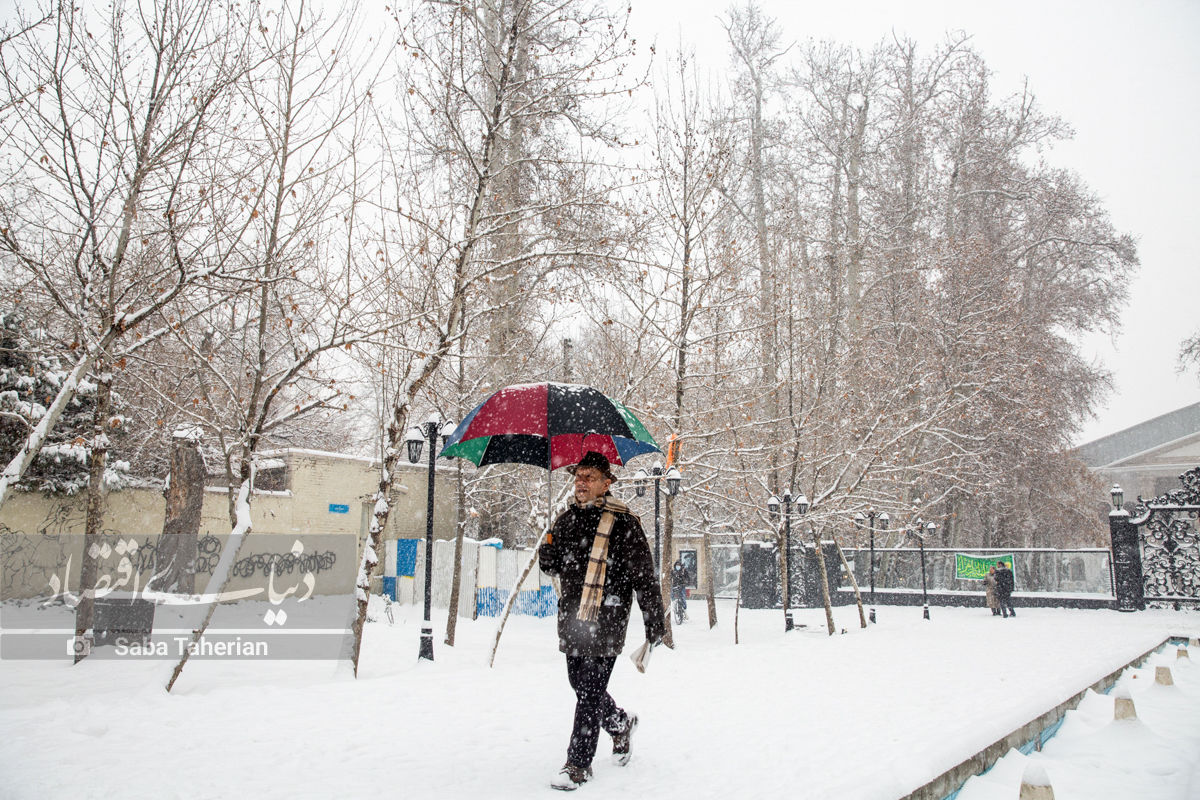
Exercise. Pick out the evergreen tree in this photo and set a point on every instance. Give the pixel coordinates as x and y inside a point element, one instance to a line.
<point>30,377</point>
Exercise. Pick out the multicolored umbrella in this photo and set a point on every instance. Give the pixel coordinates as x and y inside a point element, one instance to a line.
<point>548,425</point>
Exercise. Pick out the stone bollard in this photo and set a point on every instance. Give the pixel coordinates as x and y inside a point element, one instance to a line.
<point>1162,676</point>
<point>1194,642</point>
<point>1123,705</point>
<point>1035,783</point>
<point>1183,653</point>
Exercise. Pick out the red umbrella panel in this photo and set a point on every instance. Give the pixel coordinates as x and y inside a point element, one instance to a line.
<point>549,425</point>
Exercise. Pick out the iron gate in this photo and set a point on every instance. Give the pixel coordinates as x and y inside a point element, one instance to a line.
<point>1167,546</point>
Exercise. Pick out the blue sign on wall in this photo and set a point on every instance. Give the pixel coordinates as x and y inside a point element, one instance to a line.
<point>339,508</point>
<point>406,557</point>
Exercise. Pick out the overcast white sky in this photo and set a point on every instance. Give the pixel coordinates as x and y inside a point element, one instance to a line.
<point>1125,75</point>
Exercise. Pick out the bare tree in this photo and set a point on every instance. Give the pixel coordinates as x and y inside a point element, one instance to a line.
<point>887,394</point>
<point>692,159</point>
<point>105,133</point>
<point>108,120</point>
<point>1189,353</point>
<point>920,355</point>
<point>496,95</point>
<point>756,43</point>
<point>310,299</point>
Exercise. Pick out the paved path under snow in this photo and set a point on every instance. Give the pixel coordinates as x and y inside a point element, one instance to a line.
<point>868,715</point>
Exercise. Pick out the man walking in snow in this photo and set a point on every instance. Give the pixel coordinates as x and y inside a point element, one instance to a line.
<point>598,551</point>
<point>1004,589</point>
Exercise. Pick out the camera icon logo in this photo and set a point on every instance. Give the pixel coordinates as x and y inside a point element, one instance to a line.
<point>79,646</point>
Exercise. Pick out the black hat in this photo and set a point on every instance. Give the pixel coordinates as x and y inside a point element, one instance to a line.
<point>597,461</point>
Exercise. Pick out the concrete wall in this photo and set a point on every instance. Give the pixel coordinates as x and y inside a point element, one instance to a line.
<point>323,494</point>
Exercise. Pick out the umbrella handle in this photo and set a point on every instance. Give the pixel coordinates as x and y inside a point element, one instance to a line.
<point>512,596</point>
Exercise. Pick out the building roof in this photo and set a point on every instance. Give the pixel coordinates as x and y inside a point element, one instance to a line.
<point>1162,432</point>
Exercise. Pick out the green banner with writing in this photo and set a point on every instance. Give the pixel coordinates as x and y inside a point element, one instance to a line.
<point>975,568</point>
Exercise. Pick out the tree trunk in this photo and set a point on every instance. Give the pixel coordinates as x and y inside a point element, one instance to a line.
<point>854,236</point>
<point>862,618</point>
<point>824,582</point>
<point>85,611</point>
<point>710,584</point>
<point>508,294</point>
<point>737,608</point>
<point>461,522</point>
<point>175,559</point>
<point>455,582</point>
<point>664,567</point>
<point>785,581</point>
<point>224,565</point>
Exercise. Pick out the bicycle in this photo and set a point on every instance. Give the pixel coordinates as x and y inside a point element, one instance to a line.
<point>679,609</point>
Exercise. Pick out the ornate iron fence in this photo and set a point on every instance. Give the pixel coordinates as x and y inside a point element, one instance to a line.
<point>1170,545</point>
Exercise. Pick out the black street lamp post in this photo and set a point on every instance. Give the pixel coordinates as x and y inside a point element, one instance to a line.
<point>870,519</point>
<point>919,532</point>
<point>641,478</point>
<point>802,509</point>
<point>413,441</point>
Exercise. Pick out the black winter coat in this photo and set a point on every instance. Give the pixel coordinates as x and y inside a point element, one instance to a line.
<point>1004,583</point>
<point>630,569</point>
<point>679,576</point>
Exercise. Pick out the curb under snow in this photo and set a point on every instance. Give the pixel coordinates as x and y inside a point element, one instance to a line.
<point>1030,736</point>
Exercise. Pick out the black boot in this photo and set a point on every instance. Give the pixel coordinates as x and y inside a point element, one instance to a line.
<point>571,777</point>
<point>623,741</point>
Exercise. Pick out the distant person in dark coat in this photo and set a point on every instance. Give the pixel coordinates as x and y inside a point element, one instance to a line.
<point>599,553</point>
<point>1004,589</point>
<point>679,587</point>
<point>989,590</point>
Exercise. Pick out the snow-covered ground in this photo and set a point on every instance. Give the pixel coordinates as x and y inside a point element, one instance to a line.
<point>870,714</point>
<point>1098,754</point>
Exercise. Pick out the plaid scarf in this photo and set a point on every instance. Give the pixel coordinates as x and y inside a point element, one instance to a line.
<point>597,571</point>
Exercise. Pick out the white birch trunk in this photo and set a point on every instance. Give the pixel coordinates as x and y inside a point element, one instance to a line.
<point>221,572</point>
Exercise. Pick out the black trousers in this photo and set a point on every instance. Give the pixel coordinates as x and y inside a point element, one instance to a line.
<point>594,707</point>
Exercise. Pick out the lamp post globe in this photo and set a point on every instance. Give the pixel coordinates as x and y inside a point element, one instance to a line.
<point>639,482</point>
<point>674,478</point>
<point>413,441</point>
<point>643,481</point>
